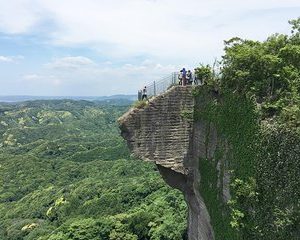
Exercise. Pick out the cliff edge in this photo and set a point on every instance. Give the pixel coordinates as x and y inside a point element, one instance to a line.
<point>164,132</point>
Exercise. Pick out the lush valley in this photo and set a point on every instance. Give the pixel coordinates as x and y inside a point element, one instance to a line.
<point>65,173</point>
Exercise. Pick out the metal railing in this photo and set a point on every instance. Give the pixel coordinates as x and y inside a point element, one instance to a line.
<point>162,85</point>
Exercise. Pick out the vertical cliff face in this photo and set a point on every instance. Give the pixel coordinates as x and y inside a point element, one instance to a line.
<point>194,135</point>
<point>164,132</point>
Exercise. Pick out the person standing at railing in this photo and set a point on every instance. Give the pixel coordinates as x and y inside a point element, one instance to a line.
<point>140,93</point>
<point>197,81</point>
<point>144,96</point>
<point>180,78</point>
<point>189,78</point>
<point>183,73</point>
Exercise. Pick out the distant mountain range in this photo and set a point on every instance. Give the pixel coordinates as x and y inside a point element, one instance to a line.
<point>20,98</point>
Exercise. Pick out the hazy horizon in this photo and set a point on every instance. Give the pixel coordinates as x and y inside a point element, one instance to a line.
<point>67,95</point>
<point>23,98</point>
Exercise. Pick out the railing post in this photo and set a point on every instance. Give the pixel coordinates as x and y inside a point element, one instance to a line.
<point>173,78</point>
<point>161,86</point>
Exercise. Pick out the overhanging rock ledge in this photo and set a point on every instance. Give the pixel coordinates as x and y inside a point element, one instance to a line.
<point>163,132</point>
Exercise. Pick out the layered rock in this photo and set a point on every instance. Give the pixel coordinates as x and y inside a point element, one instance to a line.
<point>164,132</point>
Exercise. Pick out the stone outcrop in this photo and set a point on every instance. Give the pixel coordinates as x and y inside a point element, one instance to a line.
<point>164,132</point>
<point>161,131</point>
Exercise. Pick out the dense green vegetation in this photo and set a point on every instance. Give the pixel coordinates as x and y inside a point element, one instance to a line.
<point>254,101</point>
<point>65,173</point>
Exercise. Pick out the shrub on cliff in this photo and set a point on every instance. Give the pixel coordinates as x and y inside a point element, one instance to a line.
<point>257,110</point>
<point>268,71</point>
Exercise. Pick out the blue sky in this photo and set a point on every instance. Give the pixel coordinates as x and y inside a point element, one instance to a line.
<point>105,47</point>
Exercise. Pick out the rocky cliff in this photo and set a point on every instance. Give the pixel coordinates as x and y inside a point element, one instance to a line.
<point>164,132</point>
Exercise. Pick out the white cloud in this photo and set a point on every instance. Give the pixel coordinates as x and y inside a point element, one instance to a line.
<point>19,16</point>
<point>5,59</point>
<point>153,37</point>
<point>11,59</point>
<point>163,29</point>
<point>73,63</point>
<point>86,77</point>
<point>31,77</point>
<point>41,79</point>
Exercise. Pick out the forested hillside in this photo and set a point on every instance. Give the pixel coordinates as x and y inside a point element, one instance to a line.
<point>65,173</point>
<point>257,111</point>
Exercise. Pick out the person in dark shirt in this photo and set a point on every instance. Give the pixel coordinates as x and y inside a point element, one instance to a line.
<point>189,78</point>
<point>144,96</point>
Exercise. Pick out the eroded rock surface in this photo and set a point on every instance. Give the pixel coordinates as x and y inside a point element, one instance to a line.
<point>164,132</point>
<point>161,131</point>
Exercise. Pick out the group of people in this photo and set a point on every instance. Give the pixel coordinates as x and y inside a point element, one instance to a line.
<point>185,78</point>
<point>188,78</point>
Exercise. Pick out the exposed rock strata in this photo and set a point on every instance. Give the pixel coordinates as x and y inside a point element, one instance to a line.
<point>164,132</point>
<point>161,132</point>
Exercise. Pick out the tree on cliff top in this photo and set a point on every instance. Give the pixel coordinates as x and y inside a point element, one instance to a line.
<point>269,71</point>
